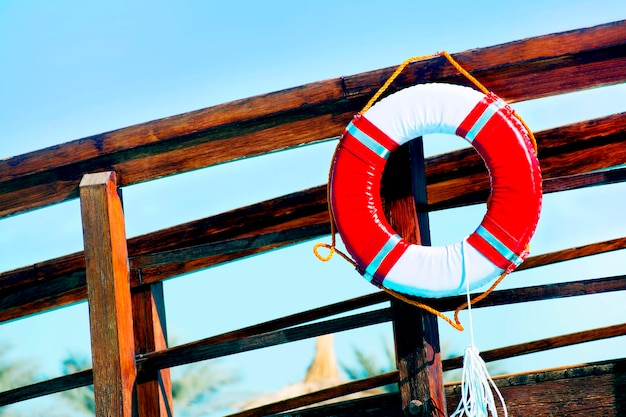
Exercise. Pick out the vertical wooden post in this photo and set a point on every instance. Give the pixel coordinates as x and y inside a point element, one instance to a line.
<point>415,330</point>
<point>154,388</point>
<point>108,294</point>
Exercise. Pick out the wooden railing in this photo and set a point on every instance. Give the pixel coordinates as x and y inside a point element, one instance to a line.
<point>583,154</point>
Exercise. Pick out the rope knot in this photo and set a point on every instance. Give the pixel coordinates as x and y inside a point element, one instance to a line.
<point>331,251</point>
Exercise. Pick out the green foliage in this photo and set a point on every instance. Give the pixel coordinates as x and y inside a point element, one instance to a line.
<point>14,373</point>
<point>368,364</point>
<point>81,399</point>
<point>196,388</point>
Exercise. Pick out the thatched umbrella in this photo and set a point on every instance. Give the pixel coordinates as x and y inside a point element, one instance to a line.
<point>322,373</point>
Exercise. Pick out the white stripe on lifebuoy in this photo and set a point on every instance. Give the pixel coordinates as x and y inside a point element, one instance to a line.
<point>500,241</point>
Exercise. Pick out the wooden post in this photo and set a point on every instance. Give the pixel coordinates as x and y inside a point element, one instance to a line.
<point>416,332</point>
<point>154,388</point>
<point>108,294</point>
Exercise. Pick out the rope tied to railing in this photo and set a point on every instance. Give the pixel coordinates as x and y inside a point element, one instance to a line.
<point>455,323</point>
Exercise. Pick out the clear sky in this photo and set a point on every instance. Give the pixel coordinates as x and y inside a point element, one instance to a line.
<point>70,69</point>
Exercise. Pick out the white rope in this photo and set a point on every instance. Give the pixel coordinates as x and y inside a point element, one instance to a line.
<point>477,398</point>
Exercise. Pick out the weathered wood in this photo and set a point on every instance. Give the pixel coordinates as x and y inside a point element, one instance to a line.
<point>574,253</point>
<point>387,405</point>
<point>321,395</point>
<point>522,70</point>
<point>61,281</point>
<point>416,336</point>
<point>574,156</point>
<point>154,389</point>
<point>543,344</point>
<point>597,389</point>
<point>586,390</point>
<point>108,293</point>
<point>226,247</point>
<point>527,294</point>
<point>215,348</point>
<point>51,386</point>
<point>460,178</point>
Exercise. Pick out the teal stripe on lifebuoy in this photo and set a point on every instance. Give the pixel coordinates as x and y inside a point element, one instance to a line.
<point>368,141</point>
<point>507,253</point>
<point>492,109</point>
<point>380,256</point>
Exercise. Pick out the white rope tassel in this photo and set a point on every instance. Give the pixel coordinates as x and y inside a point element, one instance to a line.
<point>476,395</point>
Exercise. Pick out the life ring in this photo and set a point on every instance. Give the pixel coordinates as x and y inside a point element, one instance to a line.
<point>500,242</point>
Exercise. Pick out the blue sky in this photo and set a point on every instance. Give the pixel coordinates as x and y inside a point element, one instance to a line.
<point>71,69</point>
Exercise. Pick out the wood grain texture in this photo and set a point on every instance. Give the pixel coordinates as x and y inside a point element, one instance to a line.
<point>586,390</point>
<point>219,346</point>
<point>321,395</point>
<point>51,386</point>
<point>153,389</point>
<point>61,281</point>
<point>108,293</point>
<point>597,389</point>
<point>180,355</point>
<point>542,345</point>
<point>521,70</point>
<point>578,155</point>
<point>416,335</point>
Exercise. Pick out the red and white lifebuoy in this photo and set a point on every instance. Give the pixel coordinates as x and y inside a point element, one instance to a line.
<point>499,243</point>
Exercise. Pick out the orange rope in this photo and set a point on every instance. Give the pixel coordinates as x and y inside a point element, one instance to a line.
<point>332,248</point>
<point>456,323</point>
<point>461,71</point>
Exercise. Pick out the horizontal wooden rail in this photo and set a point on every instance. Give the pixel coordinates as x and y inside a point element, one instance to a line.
<point>584,180</point>
<point>503,297</point>
<point>535,293</point>
<point>321,395</point>
<point>595,389</point>
<point>522,70</point>
<point>51,386</point>
<point>582,390</point>
<point>460,178</point>
<point>278,222</point>
<point>194,352</point>
<point>61,281</point>
<point>542,345</point>
<point>227,247</point>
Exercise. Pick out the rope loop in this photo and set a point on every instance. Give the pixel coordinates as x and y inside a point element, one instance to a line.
<point>321,257</point>
<point>456,323</point>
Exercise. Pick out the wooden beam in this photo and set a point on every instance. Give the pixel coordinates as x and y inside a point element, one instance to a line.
<point>311,113</point>
<point>585,390</point>
<point>223,345</point>
<point>503,297</point>
<point>154,388</point>
<point>416,334</point>
<point>51,386</point>
<point>455,179</point>
<point>61,281</point>
<point>460,178</point>
<point>543,345</point>
<point>321,395</point>
<point>108,292</point>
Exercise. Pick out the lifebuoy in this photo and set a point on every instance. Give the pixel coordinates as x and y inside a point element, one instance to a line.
<point>500,242</point>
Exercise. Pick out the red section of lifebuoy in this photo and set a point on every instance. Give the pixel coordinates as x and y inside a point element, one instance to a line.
<point>512,209</point>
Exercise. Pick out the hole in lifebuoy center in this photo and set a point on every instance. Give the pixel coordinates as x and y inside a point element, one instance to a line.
<point>456,175</point>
